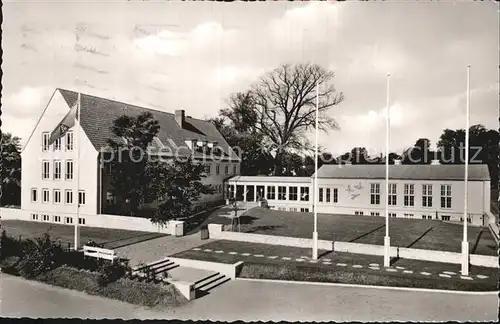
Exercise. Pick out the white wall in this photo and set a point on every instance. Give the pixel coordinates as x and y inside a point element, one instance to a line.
<point>31,168</point>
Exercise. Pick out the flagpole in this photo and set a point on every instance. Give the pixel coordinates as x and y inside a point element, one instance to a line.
<point>465,243</point>
<point>315,188</point>
<point>387,239</point>
<point>77,124</point>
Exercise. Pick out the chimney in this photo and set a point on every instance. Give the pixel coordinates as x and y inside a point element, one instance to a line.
<point>180,118</point>
<point>435,162</point>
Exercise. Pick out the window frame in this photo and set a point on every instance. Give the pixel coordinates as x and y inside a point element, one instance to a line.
<point>67,164</point>
<point>45,141</point>
<point>446,200</point>
<point>427,192</point>
<point>271,192</point>
<point>69,141</point>
<point>374,193</point>
<point>304,191</point>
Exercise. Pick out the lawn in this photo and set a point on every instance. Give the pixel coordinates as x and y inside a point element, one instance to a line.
<point>267,261</point>
<point>110,238</point>
<point>414,233</point>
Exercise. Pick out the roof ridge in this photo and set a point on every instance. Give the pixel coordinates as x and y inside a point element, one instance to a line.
<point>128,104</point>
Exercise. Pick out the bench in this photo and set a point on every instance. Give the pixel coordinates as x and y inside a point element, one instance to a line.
<point>100,253</point>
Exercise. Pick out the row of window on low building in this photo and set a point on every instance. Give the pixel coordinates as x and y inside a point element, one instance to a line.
<point>58,143</point>
<point>409,195</point>
<point>208,170</point>
<point>56,196</point>
<point>55,219</point>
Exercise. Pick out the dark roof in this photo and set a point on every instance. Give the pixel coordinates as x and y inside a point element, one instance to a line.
<point>275,179</point>
<point>405,172</point>
<point>98,114</point>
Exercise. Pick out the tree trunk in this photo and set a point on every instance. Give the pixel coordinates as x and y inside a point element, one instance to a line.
<point>278,164</point>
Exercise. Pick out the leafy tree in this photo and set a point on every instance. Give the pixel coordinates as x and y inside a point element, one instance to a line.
<point>11,170</point>
<point>284,106</point>
<point>129,177</point>
<point>180,184</point>
<point>138,176</point>
<point>419,153</point>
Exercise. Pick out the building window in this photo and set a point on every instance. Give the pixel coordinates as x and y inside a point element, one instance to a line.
<point>69,196</point>
<point>217,169</point>
<point>375,193</point>
<point>392,214</point>
<point>304,193</point>
<point>426,217</point>
<point>34,216</point>
<point>445,218</point>
<point>57,170</point>
<point>445,196</point>
<point>57,144</point>
<point>392,194</point>
<point>408,215</point>
<point>293,209</point>
<point>45,195</point>
<point>81,197</point>
<point>426,195</point>
<point>45,142</point>
<point>69,170</point>
<point>45,170</point>
<point>409,195</point>
<point>226,169</point>
<point>281,193</point>
<point>293,193</point>
<point>360,213</point>
<point>207,169</point>
<point>335,195</point>
<point>271,192</point>
<point>81,221</point>
<point>69,141</point>
<point>304,210</point>
<point>320,195</point>
<point>328,195</point>
<point>57,219</point>
<point>234,169</point>
<point>68,220</point>
<point>375,214</point>
<point>45,218</point>
<point>34,195</point>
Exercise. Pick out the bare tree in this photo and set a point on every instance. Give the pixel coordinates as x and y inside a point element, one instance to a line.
<point>285,106</point>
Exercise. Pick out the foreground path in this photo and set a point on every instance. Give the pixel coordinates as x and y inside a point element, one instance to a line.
<point>249,301</point>
<point>23,298</point>
<point>245,300</point>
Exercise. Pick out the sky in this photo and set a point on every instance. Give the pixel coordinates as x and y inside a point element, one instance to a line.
<point>193,55</point>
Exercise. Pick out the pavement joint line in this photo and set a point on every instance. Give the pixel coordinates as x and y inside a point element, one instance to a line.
<point>334,284</point>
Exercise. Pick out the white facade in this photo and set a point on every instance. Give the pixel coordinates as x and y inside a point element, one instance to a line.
<point>367,197</point>
<point>33,156</point>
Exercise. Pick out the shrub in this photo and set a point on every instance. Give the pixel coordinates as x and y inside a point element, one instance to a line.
<point>9,246</point>
<point>112,271</point>
<point>39,256</point>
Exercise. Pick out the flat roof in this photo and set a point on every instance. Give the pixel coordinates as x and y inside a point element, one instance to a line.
<point>274,179</point>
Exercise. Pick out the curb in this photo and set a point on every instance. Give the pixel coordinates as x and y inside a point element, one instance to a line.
<point>333,284</point>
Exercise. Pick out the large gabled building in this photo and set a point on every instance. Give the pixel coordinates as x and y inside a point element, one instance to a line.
<point>49,172</point>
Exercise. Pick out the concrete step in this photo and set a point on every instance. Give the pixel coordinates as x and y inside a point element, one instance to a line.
<point>212,282</point>
<point>152,264</point>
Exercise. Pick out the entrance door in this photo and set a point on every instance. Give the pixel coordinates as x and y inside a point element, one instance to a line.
<point>260,192</point>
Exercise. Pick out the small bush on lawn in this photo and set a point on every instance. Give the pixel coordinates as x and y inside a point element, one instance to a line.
<point>39,256</point>
<point>9,246</point>
<point>112,271</point>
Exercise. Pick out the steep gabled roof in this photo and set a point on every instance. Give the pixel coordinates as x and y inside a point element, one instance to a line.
<point>98,114</point>
<point>452,172</point>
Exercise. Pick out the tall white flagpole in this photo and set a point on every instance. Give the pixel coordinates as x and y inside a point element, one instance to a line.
<point>387,239</point>
<point>315,188</point>
<point>465,243</point>
<point>77,124</point>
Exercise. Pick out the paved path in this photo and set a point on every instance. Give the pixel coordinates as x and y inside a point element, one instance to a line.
<point>250,301</point>
<point>160,248</point>
<point>24,298</point>
<point>246,300</point>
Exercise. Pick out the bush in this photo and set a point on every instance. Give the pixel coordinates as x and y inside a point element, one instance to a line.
<point>39,256</point>
<point>9,246</point>
<point>112,271</point>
